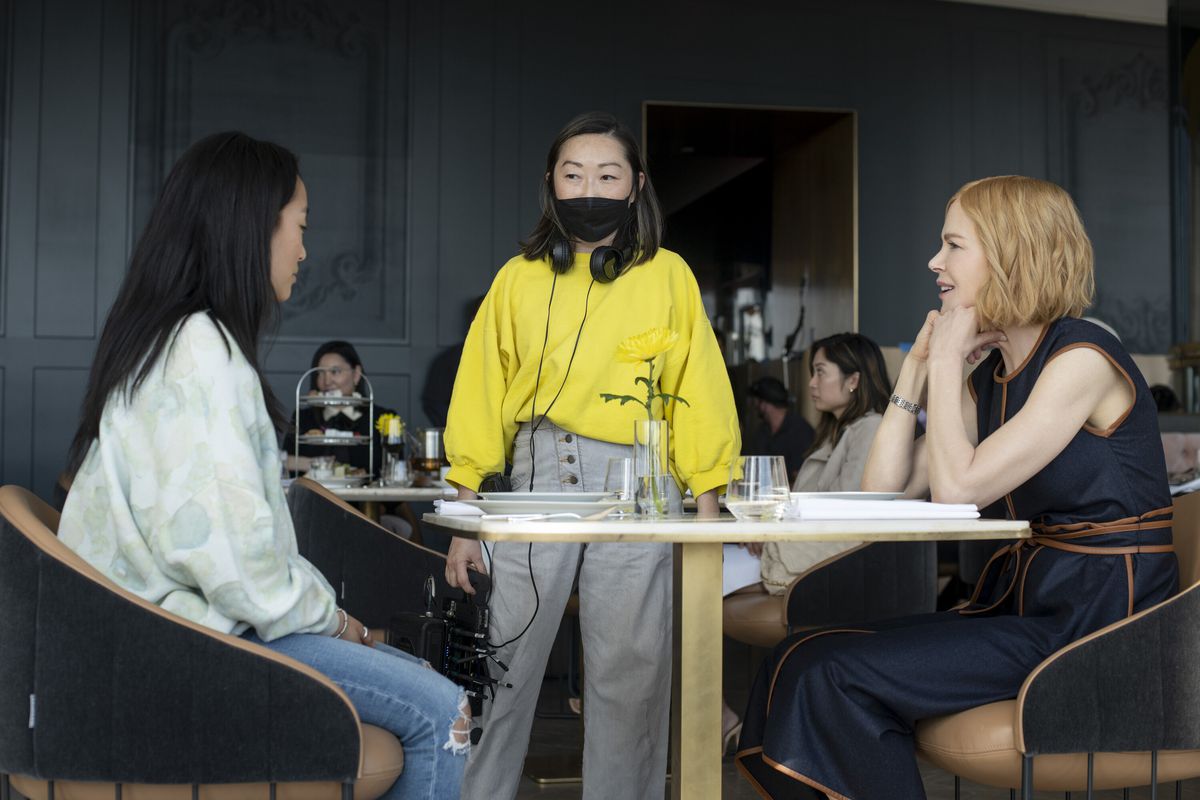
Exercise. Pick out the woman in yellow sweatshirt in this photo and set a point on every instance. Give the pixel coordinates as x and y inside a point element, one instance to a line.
<point>539,354</point>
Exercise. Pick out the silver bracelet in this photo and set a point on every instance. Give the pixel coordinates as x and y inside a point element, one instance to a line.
<point>908,406</point>
<point>345,623</point>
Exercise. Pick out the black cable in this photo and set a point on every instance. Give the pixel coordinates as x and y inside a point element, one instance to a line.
<point>537,600</point>
<point>567,374</point>
<point>537,381</point>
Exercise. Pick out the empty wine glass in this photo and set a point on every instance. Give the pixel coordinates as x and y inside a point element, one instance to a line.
<point>757,489</point>
<point>620,480</point>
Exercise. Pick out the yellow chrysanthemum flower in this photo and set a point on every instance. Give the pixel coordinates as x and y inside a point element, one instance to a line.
<point>389,425</point>
<point>646,345</point>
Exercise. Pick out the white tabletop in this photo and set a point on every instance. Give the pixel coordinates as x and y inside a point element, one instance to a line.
<point>690,528</point>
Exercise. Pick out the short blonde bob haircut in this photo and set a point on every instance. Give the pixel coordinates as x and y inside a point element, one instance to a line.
<point>1038,253</point>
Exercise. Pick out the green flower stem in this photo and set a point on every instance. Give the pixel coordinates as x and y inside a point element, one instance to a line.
<point>648,403</point>
<point>654,493</point>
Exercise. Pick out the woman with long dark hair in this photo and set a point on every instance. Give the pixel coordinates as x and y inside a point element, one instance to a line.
<point>539,354</point>
<point>176,494</point>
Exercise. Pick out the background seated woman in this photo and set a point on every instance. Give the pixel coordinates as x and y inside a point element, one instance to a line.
<point>341,374</point>
<point>850,387</point>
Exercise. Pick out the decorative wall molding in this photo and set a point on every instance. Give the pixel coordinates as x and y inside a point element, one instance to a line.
<point>208,29</point>
<point>327,79</point>
<point>1139,82</point>
<point>1143,323</point>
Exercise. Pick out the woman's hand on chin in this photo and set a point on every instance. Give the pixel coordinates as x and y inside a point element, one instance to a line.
<point>955,335</point>
<point>920,346</point>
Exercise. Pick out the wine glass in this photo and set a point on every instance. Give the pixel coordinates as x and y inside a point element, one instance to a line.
<point>620,480</point>
<point>757,489</point>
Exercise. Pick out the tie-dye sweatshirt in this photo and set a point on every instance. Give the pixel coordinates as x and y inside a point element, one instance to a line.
<point>179,498</point>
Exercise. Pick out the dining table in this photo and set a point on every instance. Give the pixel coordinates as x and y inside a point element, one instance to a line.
<point>696,639</point>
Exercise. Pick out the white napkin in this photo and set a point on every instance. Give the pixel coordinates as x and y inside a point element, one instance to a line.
<point>455,508</point>
<point>818,509</point>
<point>1185,487</point>
<point>740,569</point>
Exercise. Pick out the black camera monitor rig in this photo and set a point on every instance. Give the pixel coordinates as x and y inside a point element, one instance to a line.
<point>452,635</point>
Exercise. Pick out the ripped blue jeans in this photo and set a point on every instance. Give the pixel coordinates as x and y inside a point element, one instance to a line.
<point>397,692</point>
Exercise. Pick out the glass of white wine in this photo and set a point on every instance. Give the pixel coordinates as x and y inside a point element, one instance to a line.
<point>757,489</point>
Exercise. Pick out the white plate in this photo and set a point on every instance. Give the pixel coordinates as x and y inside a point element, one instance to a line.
<point>542,506</point>
<point>844,496</point>
<point>332,440</point>
<point>548,497</point>
<point>328,400</point>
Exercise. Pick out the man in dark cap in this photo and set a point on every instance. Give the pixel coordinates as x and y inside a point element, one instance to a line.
<point>781,432</point>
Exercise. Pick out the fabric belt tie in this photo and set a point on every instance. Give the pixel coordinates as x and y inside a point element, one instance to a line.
<point>1018,554</point>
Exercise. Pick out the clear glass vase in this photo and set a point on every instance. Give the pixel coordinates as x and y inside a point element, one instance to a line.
<point>394,469</point>
<point>651,457</point>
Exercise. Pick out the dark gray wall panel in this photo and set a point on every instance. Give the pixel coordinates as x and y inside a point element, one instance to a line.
<point>115,234</point>
<point>3,420</point>
<point>6,11</point>
<point>56,394</point>
<point>424,216</point>
<point>997,128</point>
<point>1108,144</point>
<point>21,172</point>
<point>68,169</point>
<point>466,165</point>
<point>422,129</point>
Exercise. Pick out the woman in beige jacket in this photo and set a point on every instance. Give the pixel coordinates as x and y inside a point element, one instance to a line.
<point>850,387</point>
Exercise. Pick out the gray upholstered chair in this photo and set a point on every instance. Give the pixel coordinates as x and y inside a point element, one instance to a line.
<point>1118,708</point>
<point>871,582</point>
<point>105,695</point>
<point>376,573</point>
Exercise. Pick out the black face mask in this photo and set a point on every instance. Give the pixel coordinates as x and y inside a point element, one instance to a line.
<point>590,219</point>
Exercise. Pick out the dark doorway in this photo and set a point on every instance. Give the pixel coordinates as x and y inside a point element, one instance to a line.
<point>762,203</point>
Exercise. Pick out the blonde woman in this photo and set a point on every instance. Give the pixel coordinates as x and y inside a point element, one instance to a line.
<point>1056,426</point>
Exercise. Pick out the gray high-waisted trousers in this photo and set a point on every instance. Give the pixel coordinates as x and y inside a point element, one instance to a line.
<point>625,617</point>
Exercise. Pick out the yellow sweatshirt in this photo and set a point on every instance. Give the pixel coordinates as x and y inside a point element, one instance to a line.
<point>493,392</point>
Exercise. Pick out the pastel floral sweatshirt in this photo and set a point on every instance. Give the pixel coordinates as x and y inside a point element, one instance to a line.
<point>179,499</point>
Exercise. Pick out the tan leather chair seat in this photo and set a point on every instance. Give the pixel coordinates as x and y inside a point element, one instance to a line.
<point>755,617</point>
<point>979,745</point>
<point>383,761</point>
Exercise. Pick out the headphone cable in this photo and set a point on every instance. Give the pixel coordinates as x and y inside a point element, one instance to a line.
<point>537,601</point>
<point>537,380</point>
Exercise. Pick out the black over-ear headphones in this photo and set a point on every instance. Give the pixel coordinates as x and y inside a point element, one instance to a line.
<point>607,263</point>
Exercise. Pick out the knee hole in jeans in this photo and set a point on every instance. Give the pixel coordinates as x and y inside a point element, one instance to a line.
<point>460,730</point>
